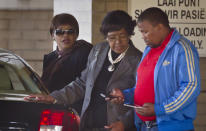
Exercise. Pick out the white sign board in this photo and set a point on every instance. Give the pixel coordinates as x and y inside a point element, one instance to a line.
<point>187,16</point>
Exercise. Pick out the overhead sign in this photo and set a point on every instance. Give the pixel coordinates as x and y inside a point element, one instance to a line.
<point>187,16</point>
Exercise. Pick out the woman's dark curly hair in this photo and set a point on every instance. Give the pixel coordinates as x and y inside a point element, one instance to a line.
<point>116,20</point>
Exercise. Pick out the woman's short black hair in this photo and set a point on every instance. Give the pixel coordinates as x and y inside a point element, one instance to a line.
<point>155,16</point>
<point>64,19</point>
<point>116,20</point>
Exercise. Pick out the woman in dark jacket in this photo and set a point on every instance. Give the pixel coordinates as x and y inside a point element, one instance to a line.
<point>63,65</point>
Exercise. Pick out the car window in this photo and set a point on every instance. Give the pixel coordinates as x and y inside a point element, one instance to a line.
<point>4,76</point>
<point>17,77</point>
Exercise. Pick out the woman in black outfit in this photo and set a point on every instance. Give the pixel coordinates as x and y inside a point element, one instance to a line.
<point>63,65</point>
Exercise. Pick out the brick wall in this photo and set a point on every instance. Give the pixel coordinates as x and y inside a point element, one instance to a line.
<point>99,10</point>
<point>26,33</point>
<point>200,122</point>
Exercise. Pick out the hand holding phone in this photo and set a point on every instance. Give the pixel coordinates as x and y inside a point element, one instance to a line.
<point>133,106</point>
<point>107,96</point>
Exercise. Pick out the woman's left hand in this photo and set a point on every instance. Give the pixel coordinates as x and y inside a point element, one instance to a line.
<point>116,96</point>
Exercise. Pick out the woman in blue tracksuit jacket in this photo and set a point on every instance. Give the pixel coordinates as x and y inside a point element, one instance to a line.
<point>176,85</point>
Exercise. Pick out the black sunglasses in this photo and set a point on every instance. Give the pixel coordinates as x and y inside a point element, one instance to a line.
<point>62,32</point>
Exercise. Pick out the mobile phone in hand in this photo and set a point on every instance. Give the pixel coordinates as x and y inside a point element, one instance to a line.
<point>109,96</point>
<point>133,106</point>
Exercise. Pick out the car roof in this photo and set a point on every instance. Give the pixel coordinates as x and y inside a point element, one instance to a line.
<point>4,52</point>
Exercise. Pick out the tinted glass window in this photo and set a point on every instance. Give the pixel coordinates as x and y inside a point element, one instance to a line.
<point>17,77</point>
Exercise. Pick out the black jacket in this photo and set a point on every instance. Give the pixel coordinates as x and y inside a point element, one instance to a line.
<point>58,72</point>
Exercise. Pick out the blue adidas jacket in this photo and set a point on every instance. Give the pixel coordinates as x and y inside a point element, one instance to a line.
<point>176,83</point>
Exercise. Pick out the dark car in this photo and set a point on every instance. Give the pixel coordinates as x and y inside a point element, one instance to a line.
<point>17,80</point>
